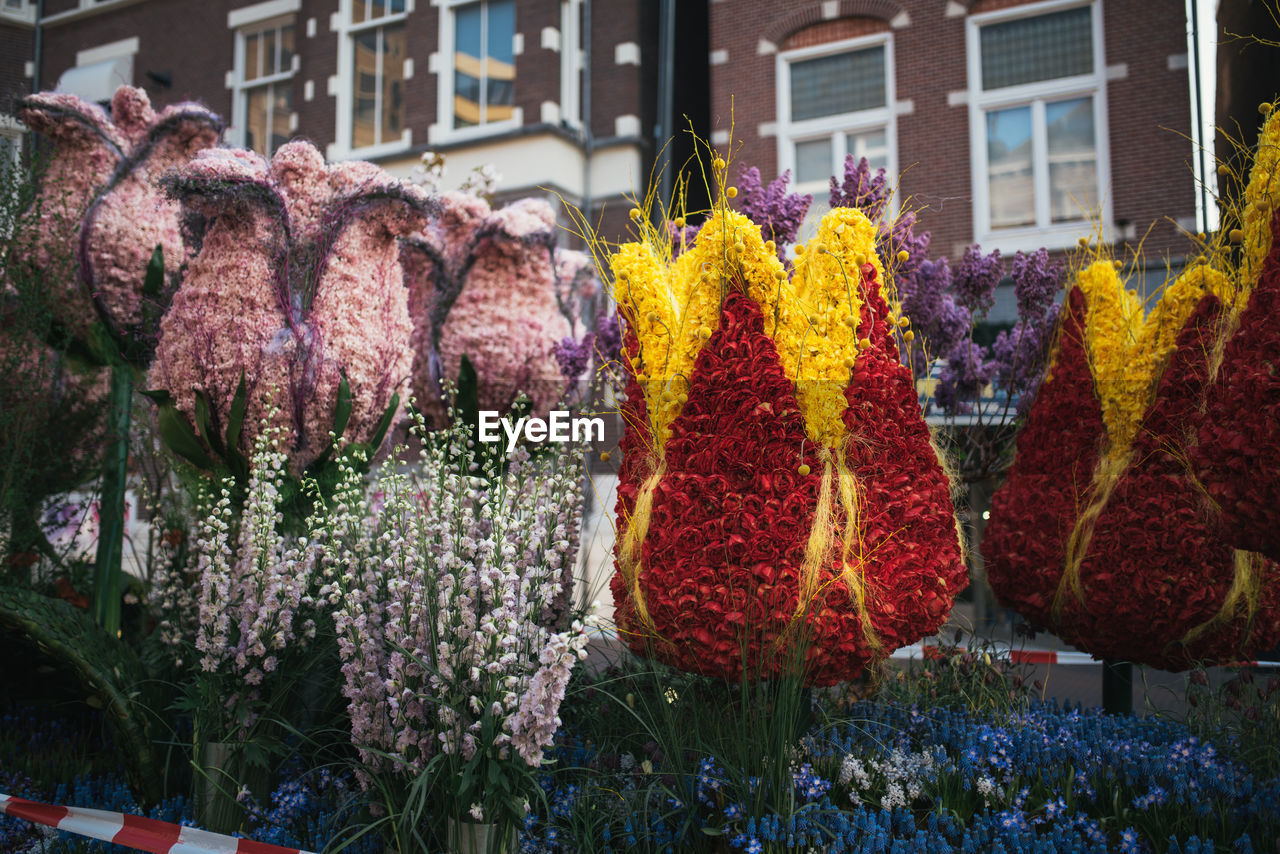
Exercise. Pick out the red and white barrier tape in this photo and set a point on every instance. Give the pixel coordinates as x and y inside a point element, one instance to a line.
<point>144,834</point>
<point>1048,656</point>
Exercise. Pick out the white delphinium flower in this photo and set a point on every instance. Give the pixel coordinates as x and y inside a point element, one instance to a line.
<point>452,616</point>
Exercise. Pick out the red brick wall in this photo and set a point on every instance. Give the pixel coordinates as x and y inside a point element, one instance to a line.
<point>198,64</point>
<point>1149,112</point>
<point>16,48</point>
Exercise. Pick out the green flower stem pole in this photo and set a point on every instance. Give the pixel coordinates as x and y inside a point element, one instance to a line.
<point>106,594</point>
<point>1117,687</point>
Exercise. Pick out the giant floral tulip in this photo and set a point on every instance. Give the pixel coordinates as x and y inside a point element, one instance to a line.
<point>781,508</point>
<point>297,286</point>
<point>101,194</point>
<point>1238,455</point>
<point>1100,533</point>
<point>485,285</point>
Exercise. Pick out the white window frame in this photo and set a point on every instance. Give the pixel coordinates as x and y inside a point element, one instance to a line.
<point>1044,232</point>
<point>443,131</point>
<point>242,87</point>
<point>840,125</point>
<point>571,63</point>
<point>342,148</point>
<point>12,130</point>
<point>25,11</point>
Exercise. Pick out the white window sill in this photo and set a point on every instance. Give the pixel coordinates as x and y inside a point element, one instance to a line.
<point>370,152</point>
<point>437,134</point>
<point>1029,239</point>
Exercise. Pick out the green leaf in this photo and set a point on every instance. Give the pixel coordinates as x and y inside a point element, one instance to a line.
<point>153,284</point>
<point>342,413</point>
<point>468,393</point>
<point>205,422</point>
<point>181,439</point>
<point>384,424</point>
<point>235,419</point>
<point>158,395</point>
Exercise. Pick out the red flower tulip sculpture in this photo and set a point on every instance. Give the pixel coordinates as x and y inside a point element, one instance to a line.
<point>1100,532</point>
<point>781,508</point>
<point>1238,456</point>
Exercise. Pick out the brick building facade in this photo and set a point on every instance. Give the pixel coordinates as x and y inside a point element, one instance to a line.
<point>1085,123</point>
<point>496,82</point>
<point>1013,123</point>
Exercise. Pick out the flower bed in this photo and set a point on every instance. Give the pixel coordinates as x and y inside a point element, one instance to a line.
<point>883,775</point>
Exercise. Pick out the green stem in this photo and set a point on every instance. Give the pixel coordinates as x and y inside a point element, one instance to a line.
<point>106,587</point>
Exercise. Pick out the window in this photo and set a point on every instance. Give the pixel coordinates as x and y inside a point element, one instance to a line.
<point>373,72</point>
<point>264,92</point>
<point>1037,122</point>
<point>477,83</point>
<point>10,144</point>
<point>572,25</point>
<point>834,100</point>
<point>377,79</point>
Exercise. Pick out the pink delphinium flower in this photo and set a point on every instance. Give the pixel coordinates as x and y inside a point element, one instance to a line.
<point>100,194</point>
<point>297,284</point>
<point>486,287</point>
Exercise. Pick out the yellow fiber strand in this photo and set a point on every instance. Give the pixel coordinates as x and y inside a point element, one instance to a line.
<point>853,551</point>
<point>1246,587</point>
<point>1106,475</point>
<point>629,554</point>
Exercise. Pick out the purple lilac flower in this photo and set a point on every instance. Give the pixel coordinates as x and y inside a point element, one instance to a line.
<point>967,372</point>
<point>777,212</point>
<point>573,357</point>
<point>1020,355</point>
<point>939,322</point>
<point>976,278</point>
<point>608,340</point>
<point>681,237</point>
<point>1035,282</point>
<point>861,189</point>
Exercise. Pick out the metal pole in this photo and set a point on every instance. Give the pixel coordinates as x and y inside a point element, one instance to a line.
<point>666,94</point>
<point>1117,687</point>
<point>1198,117</point>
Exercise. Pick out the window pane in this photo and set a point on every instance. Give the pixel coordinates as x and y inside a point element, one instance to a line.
<point>844,83</point>
<point>281,113</point>
<point>393,56</point>
<point>255,122</point>
<point>500,30</point>
<point>252,66</point>
<point>286,48</point>
<point>1011,183</point>
<point>467,65</point>
<point>813,160</point>
<point>873,145</point>
<point>500,68</point>
<point>364,126</point>
<point>1040,48</point>
<point>1073,159</point>
<point>269,65</point>
<point>359,11</point>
